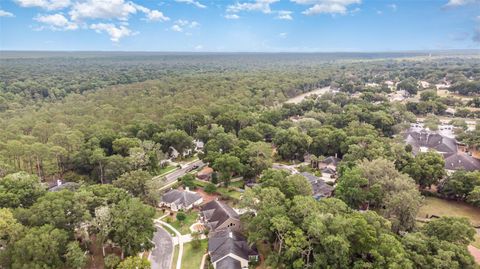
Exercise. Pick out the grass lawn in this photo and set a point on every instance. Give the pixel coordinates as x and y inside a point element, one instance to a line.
<point>166,169</point>
<point>441,207</point>
<point>229,193</point>
<point>192,258</point>
<point>175,256</point>
<point>200,183</point>
<point>238,184</point>
<point>184,226</point>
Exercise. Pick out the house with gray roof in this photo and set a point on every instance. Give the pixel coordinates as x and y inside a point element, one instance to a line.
<point>320,188</point>
<point>461,161</point>
<point>423,141</point>
<point>228,249</point>
<point>181,200</point>
<point>217,216</point>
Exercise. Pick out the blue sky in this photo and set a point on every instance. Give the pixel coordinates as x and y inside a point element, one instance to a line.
<point>242,25</point>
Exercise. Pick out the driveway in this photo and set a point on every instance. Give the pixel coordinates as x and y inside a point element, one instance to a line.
<point>162,255</point>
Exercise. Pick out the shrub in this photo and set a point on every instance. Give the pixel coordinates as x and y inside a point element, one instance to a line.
<point>111,261</point>
<point>210,188</point>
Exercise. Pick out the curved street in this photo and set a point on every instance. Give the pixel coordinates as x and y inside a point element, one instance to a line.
<point>162,255</point>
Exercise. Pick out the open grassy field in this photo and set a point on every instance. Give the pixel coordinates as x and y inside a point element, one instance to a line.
<point>440,207</point>
<point>192,257</point>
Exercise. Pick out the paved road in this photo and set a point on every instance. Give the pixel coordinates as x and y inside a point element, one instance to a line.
<point>181,172</point>
<point>162,255</point>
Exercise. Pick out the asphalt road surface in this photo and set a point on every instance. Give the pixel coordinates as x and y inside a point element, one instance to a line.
<point>162,255</point>
<point>181,172</point>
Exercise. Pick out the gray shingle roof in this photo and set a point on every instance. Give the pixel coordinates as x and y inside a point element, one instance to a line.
<point>229,263</point>
<point>431,140</point>
<point>319,186</point>
<point>216,213</point>
<point>331,160</point>
<point>462,161</point>
<point>224,242</point>
<point>184,198</point>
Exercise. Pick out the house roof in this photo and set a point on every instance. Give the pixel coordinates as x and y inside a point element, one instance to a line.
<point>216,213</point>
<point>319,186</point>
<point>328,170</point>
<point>205,171</point>
<point>229,263</point>
<point>185,198</point>
<point>331,161</point>
<point>424,139</point>
<point>224,242</point>
<point>461,161</point>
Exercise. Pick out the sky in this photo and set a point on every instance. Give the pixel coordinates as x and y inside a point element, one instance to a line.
<point>239,25</point>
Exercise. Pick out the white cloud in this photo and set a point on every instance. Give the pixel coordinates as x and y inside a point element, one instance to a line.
<point>116,33</point>
<point>112,9</point>
<point>192,2</point>
<point>198,47</point>
<point>181,24</point>
<point>379,12</point>
<point>393,7</point>
<point>45,4</point>
<point>258,5</point>
<point>327,6</point>
<point>155,15</point>
<point>176,28</point>
<point>232,17</point>
<point>4,13</point>
<point>283,35</point>
<point>456,3</point>
<point>284,15</point>
<point>56,22</point>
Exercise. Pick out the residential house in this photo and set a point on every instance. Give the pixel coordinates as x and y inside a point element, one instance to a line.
<point>181,200</point>
<point>228,249</point>
<point>328,167</point>
<point>455,159</point>
<point>205,174</point>
<point>217,216</point>
<point>320,188</point>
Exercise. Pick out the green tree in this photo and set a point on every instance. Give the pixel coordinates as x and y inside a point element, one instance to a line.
<point>75,256</point>
<point>352,188</point>
<point>292,143</point>
<point>210,188</point>
<point>20,190</point>
<point>60,209</point>
<point>176,139</point>
<point>426,169</point>
<point>40,248</point>
<point>134,262</point>
<point>181,216</point>
<point>228,166</point>
<point>132,226</point>
<point>452,229</point>
<point>111,261</point>
<point>135,182</point>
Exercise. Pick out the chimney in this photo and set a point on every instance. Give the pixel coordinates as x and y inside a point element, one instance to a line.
<point>187,188</point>
<point>230,234</point>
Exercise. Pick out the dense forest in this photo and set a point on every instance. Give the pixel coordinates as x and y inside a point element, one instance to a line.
<point>107,123</point>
